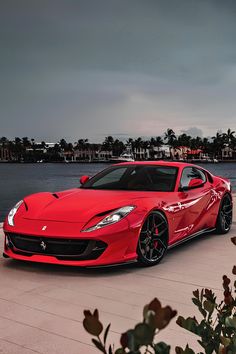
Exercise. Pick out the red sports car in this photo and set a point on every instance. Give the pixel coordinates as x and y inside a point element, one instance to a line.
<point>129,211</point>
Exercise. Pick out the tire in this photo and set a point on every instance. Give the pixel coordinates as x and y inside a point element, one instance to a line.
<point>225,215</point>
<point>153,239</point>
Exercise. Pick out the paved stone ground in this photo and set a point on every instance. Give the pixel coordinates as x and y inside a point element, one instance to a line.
<point>41,306</point>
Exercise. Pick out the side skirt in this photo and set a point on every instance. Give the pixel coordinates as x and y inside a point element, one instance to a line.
<point>190,237</point>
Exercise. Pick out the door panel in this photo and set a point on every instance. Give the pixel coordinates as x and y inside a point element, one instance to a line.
<point>189,214</point>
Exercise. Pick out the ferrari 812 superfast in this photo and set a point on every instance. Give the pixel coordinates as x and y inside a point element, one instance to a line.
<point>127,212</point>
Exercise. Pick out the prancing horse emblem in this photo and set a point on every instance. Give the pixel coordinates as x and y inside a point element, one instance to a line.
<point>44,228</point>
<point>43,245</point>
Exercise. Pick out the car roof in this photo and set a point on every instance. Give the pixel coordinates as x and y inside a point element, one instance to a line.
<point>159,163</point>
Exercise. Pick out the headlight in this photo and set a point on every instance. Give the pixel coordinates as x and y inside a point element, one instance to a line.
<point>112,218</point>
<point>12,213</point>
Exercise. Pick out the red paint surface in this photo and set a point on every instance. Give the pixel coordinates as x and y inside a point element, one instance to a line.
<point>187,212</point>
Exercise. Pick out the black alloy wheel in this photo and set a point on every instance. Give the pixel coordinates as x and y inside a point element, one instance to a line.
<point>225,215</point>
<point>153,239</point>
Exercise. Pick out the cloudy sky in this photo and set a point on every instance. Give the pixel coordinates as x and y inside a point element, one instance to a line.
<point>89,68</point>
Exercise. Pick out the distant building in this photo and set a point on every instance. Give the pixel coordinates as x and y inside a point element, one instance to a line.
<point>141,153</point>
<point>5,154</point>
<point>186,153</point>
<point>49,145</point>
<point>228,153</point>
<point>104,154</point>
<point>180,152</point>
<point>164,151</point>
<point>93,152</point>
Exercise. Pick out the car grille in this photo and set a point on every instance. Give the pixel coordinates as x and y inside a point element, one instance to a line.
<point>61,248</point>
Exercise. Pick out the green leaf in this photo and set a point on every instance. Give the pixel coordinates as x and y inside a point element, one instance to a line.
<point>225,341</point>
<point>199,305</point>
<point>187,350</point>
<point>143,334</point>
<point>99,345</point>
<point>196,302</point>
<point>208,306</point>
<point>201,297</point>
<point>130,340</point>
<point>189,323</point>
<point>196,294</point>
<point>106,333</point>
<point>162,348</point>
<point>150,319</point>
<point>119,351</point>
<point>230,322</point>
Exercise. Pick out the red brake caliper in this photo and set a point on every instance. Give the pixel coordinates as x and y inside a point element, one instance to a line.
<point>156,242</point>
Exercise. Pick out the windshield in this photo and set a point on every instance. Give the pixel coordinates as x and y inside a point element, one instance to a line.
<point>135,177</point>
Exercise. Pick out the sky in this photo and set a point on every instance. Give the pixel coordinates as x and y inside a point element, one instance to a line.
<point>127,68</point>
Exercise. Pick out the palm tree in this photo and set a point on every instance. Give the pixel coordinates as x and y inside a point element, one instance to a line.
<point>56,149</point>
<point>18,148</point>
<point>170,137</point>
<point>108,143</point>
<point>138,143</point>
<point>82,144</point>
<point>218,144</point>
<point>25,141</point>
<point>118,147</point>
<point>63,144</point>
<point>3,141</point>
<point>233,146</point>
<point>158,141</point>
<point>229,136</point>
<point>130,143</point>
<point>184,140</point>
<point>206,145</point>
<point>155,143</point>
<point>196,143</point>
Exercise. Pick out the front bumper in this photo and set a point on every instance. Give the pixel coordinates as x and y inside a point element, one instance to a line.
<point>110,245</point>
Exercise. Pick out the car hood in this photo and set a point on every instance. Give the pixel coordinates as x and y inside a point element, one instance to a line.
<point>78,205</point>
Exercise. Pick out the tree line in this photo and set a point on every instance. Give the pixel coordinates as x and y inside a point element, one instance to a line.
<point>27,149</point>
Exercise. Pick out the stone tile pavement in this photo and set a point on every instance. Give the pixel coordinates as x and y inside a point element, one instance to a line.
<point>41,306</point>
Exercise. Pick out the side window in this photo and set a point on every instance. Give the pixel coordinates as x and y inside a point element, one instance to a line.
<point>201,175</point>
<point>190,173</point>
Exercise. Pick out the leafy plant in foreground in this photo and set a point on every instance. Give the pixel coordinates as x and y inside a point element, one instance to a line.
<point>141,337</point>
<point>217,329</point>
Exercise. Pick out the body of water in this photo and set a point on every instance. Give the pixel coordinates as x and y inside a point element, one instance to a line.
<point>19,180</point>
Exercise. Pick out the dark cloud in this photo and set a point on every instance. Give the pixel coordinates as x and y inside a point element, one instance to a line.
<point>79,68</point>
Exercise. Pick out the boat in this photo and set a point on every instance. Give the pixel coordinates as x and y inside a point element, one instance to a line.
<point>126,156</point>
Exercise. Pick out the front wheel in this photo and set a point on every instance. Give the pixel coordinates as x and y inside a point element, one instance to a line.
<point>225,215</point>
<point>153,239</point>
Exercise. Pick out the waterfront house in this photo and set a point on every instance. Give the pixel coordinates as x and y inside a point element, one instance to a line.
<point>5,154</point>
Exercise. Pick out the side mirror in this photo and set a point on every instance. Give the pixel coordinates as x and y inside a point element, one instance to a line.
<point>195,182</point>
<point>84,179</point>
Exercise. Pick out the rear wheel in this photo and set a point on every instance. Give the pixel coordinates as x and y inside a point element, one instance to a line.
<point>153,239</point>
<point>225,215</point>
